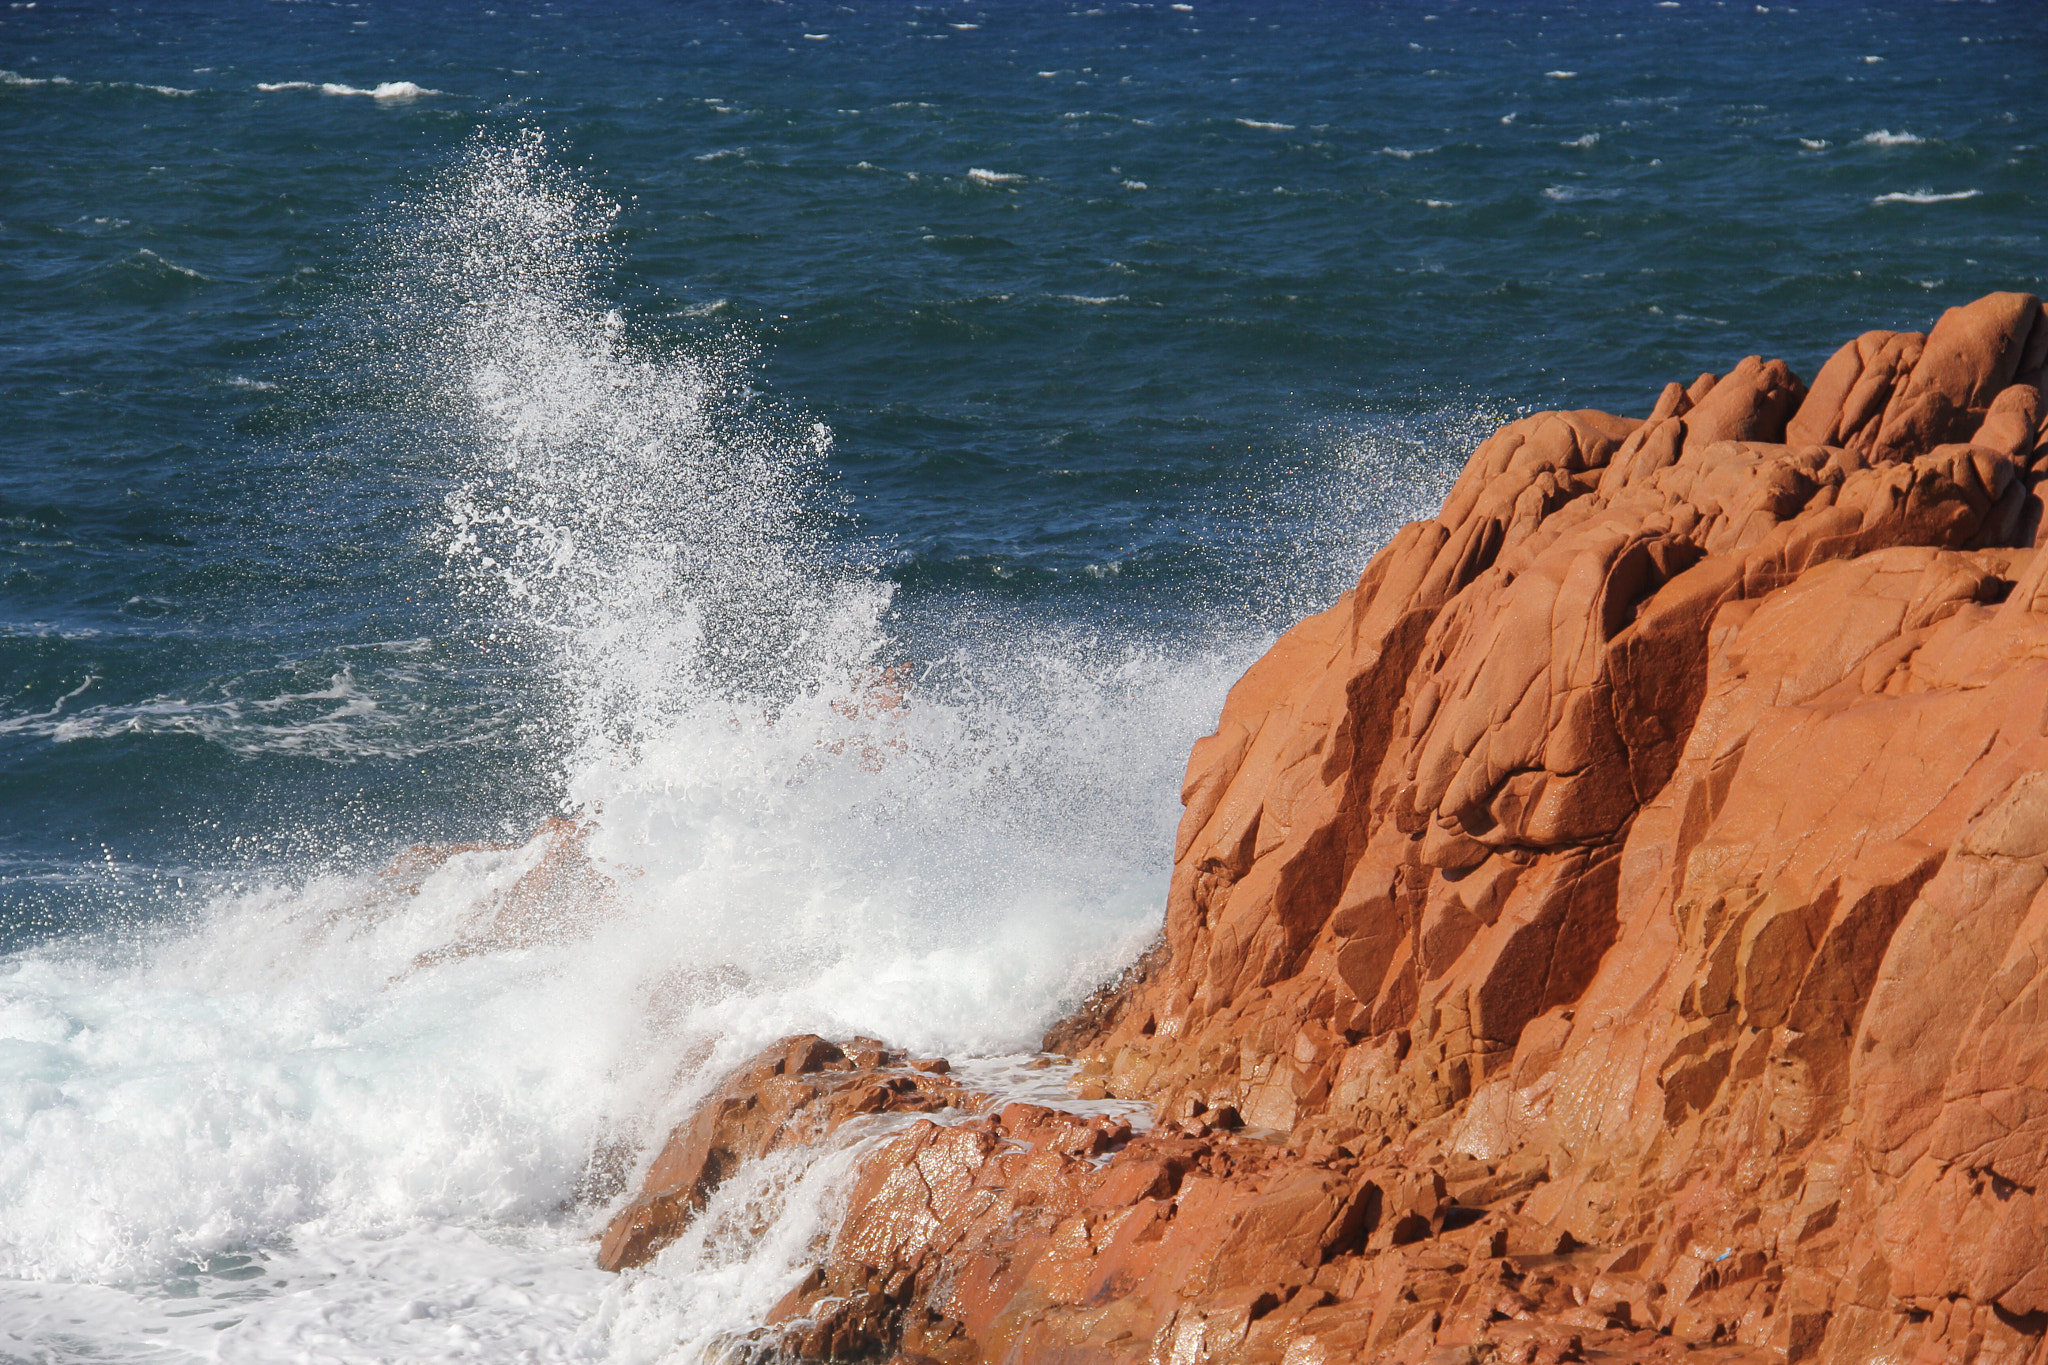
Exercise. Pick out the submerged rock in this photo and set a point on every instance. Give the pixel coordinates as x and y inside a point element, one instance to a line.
<point>1615,929</point>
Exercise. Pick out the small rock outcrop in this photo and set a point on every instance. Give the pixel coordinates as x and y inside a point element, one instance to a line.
<point>795,1093</point>
<point>1617,929</point>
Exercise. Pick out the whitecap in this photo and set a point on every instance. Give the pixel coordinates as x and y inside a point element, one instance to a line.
<point>1562,75</point>
<point>1589,140</point>
<point>16,78</point>
<point>1094,300</point>
<point>387,90</point>
<point>721,154</point>
<point>1885,137</point>
<point>1406,153</point>
<point>964,28</point>
<point>140,85</point>
<point>1872,61</point>
<point>1440,203</point>
<point>1814,144</point>
<point>988,177</point>
<point>1136,185</point>
<point>1270,127</point>
<point>1924,197</point>
<point>172,266</point>
<point>817,37</point>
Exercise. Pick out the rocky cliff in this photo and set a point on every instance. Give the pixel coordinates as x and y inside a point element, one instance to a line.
<point>1615,929</point>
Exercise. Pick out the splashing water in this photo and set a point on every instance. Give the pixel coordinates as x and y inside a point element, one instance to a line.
<point>364,1115</point>
<point>638,507</point>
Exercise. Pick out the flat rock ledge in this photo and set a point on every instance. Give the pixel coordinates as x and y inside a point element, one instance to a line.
<point>1615,930</point>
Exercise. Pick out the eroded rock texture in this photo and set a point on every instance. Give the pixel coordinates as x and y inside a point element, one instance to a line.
<point>1617,926</point>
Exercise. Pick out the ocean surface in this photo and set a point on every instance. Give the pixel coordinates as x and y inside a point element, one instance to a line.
<point>837,457</point>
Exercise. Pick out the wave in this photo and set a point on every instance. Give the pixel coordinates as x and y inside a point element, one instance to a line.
<point>387,90</point>
<point>1924,197</point>
<point>170,267</point>
<point>339,1099</point>
<point>145,277</point>
<point>15,78</point>
<point>356,1102</point>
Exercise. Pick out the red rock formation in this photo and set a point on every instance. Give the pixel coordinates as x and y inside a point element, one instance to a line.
<point>1620,917</point>
<point>798,1091</point>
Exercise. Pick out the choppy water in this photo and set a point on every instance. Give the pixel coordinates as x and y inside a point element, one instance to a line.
<point>839,454</point>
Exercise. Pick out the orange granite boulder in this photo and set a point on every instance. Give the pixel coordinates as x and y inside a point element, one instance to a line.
<point>796,1092</point>
<point>1616,929</point>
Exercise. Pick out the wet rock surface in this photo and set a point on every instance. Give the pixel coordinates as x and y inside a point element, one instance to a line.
<point>1614,930</point>
<point>797,1092</point>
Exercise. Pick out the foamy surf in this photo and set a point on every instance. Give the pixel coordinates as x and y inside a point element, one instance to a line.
<point>385,90</point>
<point>15,78</point>
<point>1925,196</point>
<point>379,1113</point>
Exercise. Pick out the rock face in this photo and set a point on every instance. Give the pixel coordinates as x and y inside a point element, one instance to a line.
<point>1616,929</point>
<point>798,1091</point>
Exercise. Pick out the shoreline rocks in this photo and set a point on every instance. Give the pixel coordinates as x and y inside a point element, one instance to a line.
<point>1618,928</point>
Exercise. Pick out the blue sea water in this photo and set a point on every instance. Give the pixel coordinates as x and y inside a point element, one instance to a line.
<point>839,454</point>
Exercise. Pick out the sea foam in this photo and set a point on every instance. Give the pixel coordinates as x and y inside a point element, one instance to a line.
<point>1924,197</point>
<point>387,90</point>
<point>361,1108</point>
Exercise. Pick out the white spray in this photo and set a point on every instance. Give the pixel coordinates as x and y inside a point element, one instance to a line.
<point>357,1117</point>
